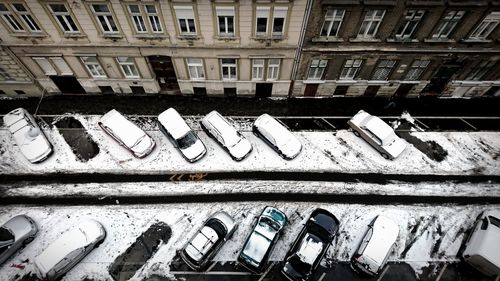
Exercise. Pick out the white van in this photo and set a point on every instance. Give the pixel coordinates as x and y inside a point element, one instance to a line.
<point>482,249</point>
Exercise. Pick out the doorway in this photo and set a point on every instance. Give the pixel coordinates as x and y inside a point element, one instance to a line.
<point>164,71</point>
<point>371,91</point>
<point>311,90</point>
<point>340,90</point>
<point>403,90</point>
<point>263,90</point>
<point>68,84</point>
<point>441,78</point>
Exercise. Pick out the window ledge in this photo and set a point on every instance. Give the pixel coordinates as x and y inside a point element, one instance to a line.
<point>188,37</point>
<point>28,35</point>
<point>402,40</point>
<point>471,40</point>
<point>151,36</point>
<point>410,81</point>
<point>312,81</point>
<point>327,39</point>
<point>267,38</point>
<point>74,35</point>
<point>112,36</point>
<point>439,40</point>
<point>346,82</point>
<point>378,82</point>
<point>227,38</point>
<point>364,39</point>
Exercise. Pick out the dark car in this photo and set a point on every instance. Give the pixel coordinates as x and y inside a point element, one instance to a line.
<point>310,246</point>
<point>262,239</point>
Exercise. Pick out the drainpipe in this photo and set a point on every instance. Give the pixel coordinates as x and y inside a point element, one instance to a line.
<point>298,51</point>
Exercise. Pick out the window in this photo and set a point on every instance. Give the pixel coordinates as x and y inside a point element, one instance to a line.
<point>45,65</point>
<point>4,75</point>
<point>93,67</point>
<point>229,69</point>
<point>279,17</point>
<point>26,17</point>
<point>154,18</point>
<point>273,67</point>
<point>128,67</point>
<point>408,27</point>
<point>262,18</point>
<point>371,22</point>
<point>63,18</point>
<point>137,18</point>
<point>10,19</point>
<point>53,66</point>
<point>61,65</point>
<point>488,24</point>
<point>257,69</point>
<point>331,25</point>
<point>105,18</point>
<point>195,67</point>
<point>316,69</point>
<point>145,18</point>
<point>351,68</point>
<point>447,24</point>
<point>480,70</point>
<point>383,69</point>
<point>225,21</point>
<point>416,69</point>
<point>185,18</point>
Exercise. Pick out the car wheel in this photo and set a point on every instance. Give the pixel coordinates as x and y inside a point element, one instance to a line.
<point>356,133</point>
<point>385,156</point>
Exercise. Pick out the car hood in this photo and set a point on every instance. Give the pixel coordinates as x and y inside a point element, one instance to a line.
<point>290,147</point>
<point>195,151</point>
<point>33,148</point>
<point>396,147</point>
<point>20,226</point>
<point>240,149</point>
<point>143,147</point>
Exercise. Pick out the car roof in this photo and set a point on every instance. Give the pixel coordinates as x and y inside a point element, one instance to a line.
<point>127,131</point>
<point>310,248</point>
<point>14,116</point>
<point>273,127</point>
<point>217,120</point>
<point>385,233</point>
<point>378,127</point>
<point>201,243</point>
<point>173,123</point>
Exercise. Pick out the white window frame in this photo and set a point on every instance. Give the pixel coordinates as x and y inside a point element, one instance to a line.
<point>448,23</point>
<point>128,67</point>
<point>225,13</point>
<point>10,19</point>
<point>195,68</point>
<point>273,69</point>
<point>184,14</point>
<point>154,18</point>
<point>416,70</point>
<point>65,17</point>
<point>383,70</point>
<point>409,26</point>
<point>137,18</point>
<point>47,68</point>
<point>258,69</point>
<point>316,69</point>
<point>350,69</point>
<point>371,18</point>
<point>93,67</point>
<point>26,17</point>
<point>279,12</point>
<point>61,65</point>
<point>229,66</point>
<point>332,17</point>
<point>107,17</point>
<point>52,66</point>
<point>487,25</point>
<point>263,13</point>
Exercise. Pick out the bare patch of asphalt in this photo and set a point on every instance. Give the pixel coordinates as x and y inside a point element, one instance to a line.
<point>75,135</point>
<point>430,148</point>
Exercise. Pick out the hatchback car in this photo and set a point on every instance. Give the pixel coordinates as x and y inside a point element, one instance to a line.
<point>14,234</point>
<point>311,245</point>
<point>69,248</point>
<point>28,136</point>
<point>226,135</point>
<point>182,136</point>
<point>126,133</point>
<point>262,239</point>
<point>371,255</point>
<point>208,240</point>
<point>277,136</point>
<point>378,134</point>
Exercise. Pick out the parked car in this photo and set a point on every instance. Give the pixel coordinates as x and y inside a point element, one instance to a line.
<point>14,234</point>
<point>378,134</point>
<point>262,239</point>
<point>182,136</point>
<point>226,135</point>
<point>208,240</point>
<point>311,245</point>
<point>482,248</point>
<point>28,136</point>
<point>371,255</point>
<point>126,133</point>
<point>69,248</point>
<point>276,134</point>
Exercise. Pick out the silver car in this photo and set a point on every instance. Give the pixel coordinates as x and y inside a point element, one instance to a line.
<point>277,136</point>
<point>226,135</point>
<point>371,255</point>
<point>182,136</point>
<point>262,239</point>
<point>127,134</point>
<point>69,249</point>
<point>28,136</point>
<point>378,134</point>
<point>208,240</point>
<point>14,234</point>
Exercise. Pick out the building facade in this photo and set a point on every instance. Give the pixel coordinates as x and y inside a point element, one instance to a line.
<point>400,48</point>
<point>205,47</point>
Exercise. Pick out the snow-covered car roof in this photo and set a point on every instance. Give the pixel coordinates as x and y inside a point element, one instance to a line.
<point>86,233</point>
<point>384,235</point>
<point>128,132</point>
<point>173,123</point>
<point>286,141</point>
<point>227,131</point>
<point>310,249</point>
<point>202,243</point>
<point>379,128</point>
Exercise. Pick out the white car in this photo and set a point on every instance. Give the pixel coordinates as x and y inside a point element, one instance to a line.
<point>69,248</point>
<point>183,137</point>
<point>482,249</point>
<point>375,247</point>
<point>27,134</point>
<point>226,135</point>
<point>14,234</point>
<point>378,134</point>
<point>127,134</point>
<point>277,136</point>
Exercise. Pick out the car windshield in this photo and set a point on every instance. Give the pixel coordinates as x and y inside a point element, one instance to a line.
<point>187,140</point>
<point>268,223</point>
<point>6,238</point>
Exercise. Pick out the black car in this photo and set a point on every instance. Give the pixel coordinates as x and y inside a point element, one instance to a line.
<point>310,246</point>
